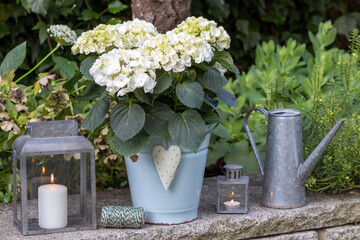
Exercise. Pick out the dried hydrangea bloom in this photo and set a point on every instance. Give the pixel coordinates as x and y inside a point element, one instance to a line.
<point>207,30</point>
<point>17,95</point>
<point>9,126</point>
<point>62,34</point>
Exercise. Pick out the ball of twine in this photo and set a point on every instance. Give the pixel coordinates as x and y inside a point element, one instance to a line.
<point>122,217</point>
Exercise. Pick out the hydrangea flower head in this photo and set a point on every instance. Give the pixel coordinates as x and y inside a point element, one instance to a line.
<point>104,38</point>
<point>134,33</point>
<point>205,29</point>
<point>172,51</point>
<point>99,40</point>
<point>123,71</point>
<point>62,34</point>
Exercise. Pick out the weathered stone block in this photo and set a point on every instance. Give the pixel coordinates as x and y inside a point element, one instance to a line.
<point>309,235</point>
<point>348,232</point>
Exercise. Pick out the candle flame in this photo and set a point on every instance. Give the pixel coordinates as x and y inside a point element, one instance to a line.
<point>33,160</point>
<point>52,178</point>
<point>232,193</point>
<point>43,170</point>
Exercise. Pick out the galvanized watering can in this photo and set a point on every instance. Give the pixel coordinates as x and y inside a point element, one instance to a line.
<point>285,170</point>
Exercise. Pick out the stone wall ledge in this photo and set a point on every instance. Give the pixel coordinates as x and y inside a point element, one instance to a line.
<point>323,212</point>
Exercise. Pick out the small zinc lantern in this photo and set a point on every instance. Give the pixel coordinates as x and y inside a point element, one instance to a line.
<point>56,171</point>
<point>232,190</point>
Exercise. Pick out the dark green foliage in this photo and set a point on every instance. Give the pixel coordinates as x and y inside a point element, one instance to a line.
<point>28,20</point>
<point>249,22</point>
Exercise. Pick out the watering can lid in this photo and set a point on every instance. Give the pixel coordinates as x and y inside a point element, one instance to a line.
<point>284,112</point>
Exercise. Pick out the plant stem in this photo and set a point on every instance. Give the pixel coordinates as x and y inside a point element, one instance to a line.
<point>71,108</point>
<point>37,65</point>
<point>175,103</point>
<point>88,5</point>
<point>100,14</point>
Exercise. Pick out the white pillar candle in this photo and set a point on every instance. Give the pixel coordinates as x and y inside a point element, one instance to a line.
<point>52,206</point>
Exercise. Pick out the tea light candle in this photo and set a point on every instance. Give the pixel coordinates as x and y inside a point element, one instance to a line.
<point>52,205</point>
<point>231,205</point>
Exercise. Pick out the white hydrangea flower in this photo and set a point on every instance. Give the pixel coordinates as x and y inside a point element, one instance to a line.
<point>132,51</point>
<point>205,29</point>
<point>104,38</point>
<point>62,34</point>
<point>134,33</point>
<point>98,40</point>
<point>123,71</point>
<point>172,51</point>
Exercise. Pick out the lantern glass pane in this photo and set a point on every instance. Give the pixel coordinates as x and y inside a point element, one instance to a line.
<point>232,194</point>
<point>88,200</point>
<point>72,171</point>
<point>18,193</point>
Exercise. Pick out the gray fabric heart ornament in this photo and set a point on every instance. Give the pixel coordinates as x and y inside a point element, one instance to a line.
<point>166,162</point>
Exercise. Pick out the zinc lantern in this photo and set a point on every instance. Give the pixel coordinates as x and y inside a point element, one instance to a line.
<point>53,179</point>
<point>232,190</point>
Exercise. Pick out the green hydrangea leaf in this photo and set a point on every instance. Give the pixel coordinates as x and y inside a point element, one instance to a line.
<point>142,96</point>
<point>225,59</point>
<point>156,121</point>
<point>212,79</point>
<point>94,91</point>
<point>85,66</point>
<point>163,81</point>
<point>188,129</point>
<point>97,113</point>
<point>127,119</point>
<point>69,85</point>
<point>190,93</point>
<point>129,147</point>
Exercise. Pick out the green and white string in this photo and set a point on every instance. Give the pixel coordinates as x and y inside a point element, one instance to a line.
<point>122,217</point>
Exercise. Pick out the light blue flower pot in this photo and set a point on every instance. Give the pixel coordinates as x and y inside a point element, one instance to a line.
<point>180,202</point>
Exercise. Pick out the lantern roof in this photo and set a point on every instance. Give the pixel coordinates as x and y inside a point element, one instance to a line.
<point>56,137</point>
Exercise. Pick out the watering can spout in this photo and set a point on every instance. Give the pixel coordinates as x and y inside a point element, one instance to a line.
<point>307,167</point>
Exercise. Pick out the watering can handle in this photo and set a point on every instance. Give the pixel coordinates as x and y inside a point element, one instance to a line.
<point>252,142</point>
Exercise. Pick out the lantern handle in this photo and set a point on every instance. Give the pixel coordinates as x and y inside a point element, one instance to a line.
<point>27,130</point>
